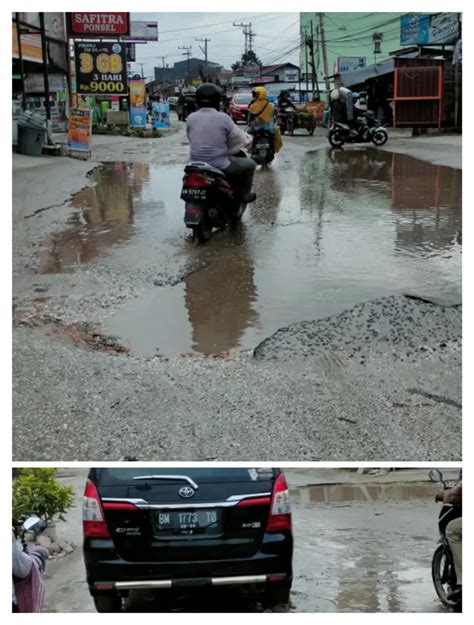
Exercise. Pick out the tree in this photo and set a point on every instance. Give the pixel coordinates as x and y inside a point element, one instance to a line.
<point>249,58</point>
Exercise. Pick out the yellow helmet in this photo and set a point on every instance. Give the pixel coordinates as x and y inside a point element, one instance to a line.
<point>259,93</point>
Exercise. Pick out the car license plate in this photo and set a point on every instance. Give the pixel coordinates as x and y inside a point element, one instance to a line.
<point>192,193</point>
<point>202,520</point>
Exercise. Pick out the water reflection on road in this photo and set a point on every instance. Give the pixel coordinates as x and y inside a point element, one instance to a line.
<point>329,229</point>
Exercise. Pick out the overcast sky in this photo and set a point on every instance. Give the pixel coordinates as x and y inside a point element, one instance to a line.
<point>276,33</point>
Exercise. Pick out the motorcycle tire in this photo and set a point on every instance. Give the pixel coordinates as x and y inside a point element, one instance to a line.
<point>202,232</point>
<point>336,139</point>
<point>439,574</point>
<point>380,137</point>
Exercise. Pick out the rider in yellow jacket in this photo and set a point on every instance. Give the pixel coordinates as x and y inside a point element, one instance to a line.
<point>262,116</point>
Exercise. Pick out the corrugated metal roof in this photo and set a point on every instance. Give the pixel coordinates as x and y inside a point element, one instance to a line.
<point>359,76</point>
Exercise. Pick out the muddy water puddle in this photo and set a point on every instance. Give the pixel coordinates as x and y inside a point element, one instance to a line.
<point>347,493</point>
<point>329,230</point>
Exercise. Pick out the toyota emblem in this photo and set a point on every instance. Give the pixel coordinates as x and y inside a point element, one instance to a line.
<point>186,492</point>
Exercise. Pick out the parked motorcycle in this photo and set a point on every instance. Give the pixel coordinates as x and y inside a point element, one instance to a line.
<point>442,566</point>
<point>29,590</point>
<point>210,201</point>
<point>262,148</point>
<point>368,130</point>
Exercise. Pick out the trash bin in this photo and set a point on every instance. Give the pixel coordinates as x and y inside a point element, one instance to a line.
<point>31,133</point>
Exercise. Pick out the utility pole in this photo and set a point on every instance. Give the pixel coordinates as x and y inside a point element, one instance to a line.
<point>205,54</point>
<point>163,72</point>
<point>49,131</point>
<point>187,54</point>
<point>304,34</point>
<point>325,55</point>
<point>313,67</point>
<point>248,34</point>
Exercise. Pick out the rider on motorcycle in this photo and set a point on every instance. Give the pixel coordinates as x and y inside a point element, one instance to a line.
<point>454,533</point>
<point>342,107</point>
<point>262,117</point>
<point>209,133</point>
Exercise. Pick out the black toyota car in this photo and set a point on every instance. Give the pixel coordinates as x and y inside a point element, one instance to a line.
<point>157,528</point>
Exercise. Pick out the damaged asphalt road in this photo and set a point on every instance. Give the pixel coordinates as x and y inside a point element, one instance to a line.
<point>321,330</point>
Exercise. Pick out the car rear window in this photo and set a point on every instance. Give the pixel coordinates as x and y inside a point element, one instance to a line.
<point>243,99</point>
<point>120,475</point>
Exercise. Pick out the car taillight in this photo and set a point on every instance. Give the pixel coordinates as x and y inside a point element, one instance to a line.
<point>280,509</point>
<point>93,521</point>
<point>195,180</point>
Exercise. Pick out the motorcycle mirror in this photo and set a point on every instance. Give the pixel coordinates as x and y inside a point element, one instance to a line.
<point>34,525</point>
<point>435,475</point>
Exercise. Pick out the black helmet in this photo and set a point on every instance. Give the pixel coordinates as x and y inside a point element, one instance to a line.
<point>208,95</point>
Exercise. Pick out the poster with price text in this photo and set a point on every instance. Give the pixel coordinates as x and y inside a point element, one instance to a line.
<point>101,68</point>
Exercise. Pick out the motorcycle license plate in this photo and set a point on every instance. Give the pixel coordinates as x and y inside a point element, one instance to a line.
<point>176,521</point>
<point>194,193</point>
<point>263,146</point>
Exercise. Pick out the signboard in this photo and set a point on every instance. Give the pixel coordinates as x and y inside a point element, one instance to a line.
<point>262,80</point>
<point>30,47</point>
<point>101,68</point>
<point>34,83</point>
<point>239,80</point>
<point>142,31</point>
<point>53,23</point>
<point>291,75</point>
<point>138,117</point>
<point>137,92</point>
<point>160,114</point>
<point>350,63</point>
<point>80,130</point>
<point>98,24</point>
<point>428,29</point>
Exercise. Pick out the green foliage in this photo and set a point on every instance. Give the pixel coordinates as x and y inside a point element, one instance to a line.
<point>249,58</point>
<point>38,492</point>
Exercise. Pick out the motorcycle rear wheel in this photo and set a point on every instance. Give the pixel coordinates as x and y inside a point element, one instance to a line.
<point>336,139</point>
<point>439,571</point>
<point>202,232</point>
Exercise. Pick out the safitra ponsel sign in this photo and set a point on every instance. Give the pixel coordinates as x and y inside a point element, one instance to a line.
<point>98,24</point>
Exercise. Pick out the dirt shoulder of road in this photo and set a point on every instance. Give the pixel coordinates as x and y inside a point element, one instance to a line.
<point>300,477</point>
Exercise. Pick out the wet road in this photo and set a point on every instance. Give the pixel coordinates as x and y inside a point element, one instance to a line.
<point>331,233</point>
<point>330,229</point>
<point>356,550</point>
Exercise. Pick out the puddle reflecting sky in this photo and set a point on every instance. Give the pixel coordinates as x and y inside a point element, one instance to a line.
<point>329,230</point>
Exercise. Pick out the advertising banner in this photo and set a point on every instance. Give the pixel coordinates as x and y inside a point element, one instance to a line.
<point>101,68</point>
<point>98,24</point>
<point>138,116</point>
<point>80,130</point>
<point>160,113</point>
<point>142,31</point>
<point>350,63</point>
<point>30,47</point>
<point>317,108</point>
<point>137,92</point>
<point>425,29</point>
<point>53,23</point>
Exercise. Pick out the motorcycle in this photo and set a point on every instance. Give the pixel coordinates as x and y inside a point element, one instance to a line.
<point>368,129</point>
<point>29,591</point>
<point>287,120</point>
<point>442,565</point>
<point>210,201</point>
<point>262,148</point>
